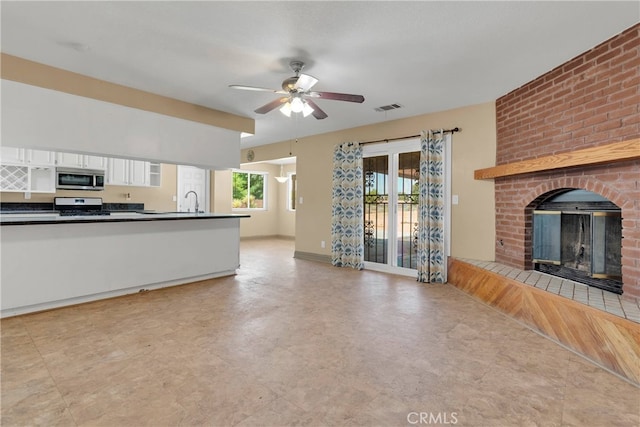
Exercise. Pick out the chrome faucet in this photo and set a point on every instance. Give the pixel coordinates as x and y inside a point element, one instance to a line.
<point>195,194</point>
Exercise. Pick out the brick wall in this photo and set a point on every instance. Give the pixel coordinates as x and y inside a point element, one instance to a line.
<point>591,100</point>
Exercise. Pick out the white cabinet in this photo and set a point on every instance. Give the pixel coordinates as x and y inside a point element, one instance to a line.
<point>39,157</point>
<point>23,156</point>
<point>10,155</point>
<point>27,171</point>
<point>71,160</point>
<point>94,162</point>
<point>139,173</point>
<point>117,172</point>
<point>128,172</point>
<point>155,174</point>
<point>27,179</point>
<point>80,161</point>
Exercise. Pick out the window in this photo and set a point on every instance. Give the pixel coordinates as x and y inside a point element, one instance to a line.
<point>293,190</point>
<point>249,190</point>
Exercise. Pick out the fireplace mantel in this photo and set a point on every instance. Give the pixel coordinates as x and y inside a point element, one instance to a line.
<point>610,153</point>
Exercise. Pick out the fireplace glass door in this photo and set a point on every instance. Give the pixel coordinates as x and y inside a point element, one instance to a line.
<point>607,250</point>
<point>588,242</point>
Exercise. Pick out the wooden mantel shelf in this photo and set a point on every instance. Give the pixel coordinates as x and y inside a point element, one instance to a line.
<point>610,153</point>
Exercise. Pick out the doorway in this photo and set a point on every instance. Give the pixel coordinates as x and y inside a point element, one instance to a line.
<point>191,178</point>
<point>391,175</point>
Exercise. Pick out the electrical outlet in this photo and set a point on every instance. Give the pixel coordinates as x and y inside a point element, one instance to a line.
<point>322,244</point>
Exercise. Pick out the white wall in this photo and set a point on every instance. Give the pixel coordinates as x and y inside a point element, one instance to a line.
<point>34,117</point>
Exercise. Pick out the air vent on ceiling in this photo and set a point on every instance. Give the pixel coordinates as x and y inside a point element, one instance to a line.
<point>388,107</point>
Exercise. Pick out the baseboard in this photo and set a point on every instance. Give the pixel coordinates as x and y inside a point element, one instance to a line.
<point>271,237</point>
<point>309,256</point>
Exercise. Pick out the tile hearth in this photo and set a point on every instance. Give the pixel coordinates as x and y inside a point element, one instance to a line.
<point>593,297</point>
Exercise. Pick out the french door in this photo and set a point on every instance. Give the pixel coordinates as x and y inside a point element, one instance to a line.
<point>391,206</point>
<point>391,173</point>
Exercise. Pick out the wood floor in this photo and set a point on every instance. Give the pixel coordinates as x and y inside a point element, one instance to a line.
<point>295,342</point>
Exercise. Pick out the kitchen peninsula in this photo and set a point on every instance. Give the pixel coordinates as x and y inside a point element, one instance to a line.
<point>49,260</point>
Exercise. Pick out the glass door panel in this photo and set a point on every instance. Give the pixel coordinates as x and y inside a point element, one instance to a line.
<point>376,208</point>
<point>407,209</point>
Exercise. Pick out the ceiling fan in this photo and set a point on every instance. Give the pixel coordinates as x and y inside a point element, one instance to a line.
<point>298,93</point>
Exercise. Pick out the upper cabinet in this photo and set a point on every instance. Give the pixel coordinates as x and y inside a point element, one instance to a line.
<point>80,161</point>
<point>137,173</point>
<point>24,156</point>
<point>26,170</point>
<point>39,157</point>
<point>10,155</point>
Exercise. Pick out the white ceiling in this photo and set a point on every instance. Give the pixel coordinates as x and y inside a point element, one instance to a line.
<point>425,56</point>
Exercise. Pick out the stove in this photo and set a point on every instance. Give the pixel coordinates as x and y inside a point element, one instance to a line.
<point>79,206</point>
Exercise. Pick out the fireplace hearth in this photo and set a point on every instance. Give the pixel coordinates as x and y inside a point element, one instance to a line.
<point>577,235</point>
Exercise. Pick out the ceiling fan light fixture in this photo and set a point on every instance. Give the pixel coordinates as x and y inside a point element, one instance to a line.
<point>297,105</point>
<point>286,109</point>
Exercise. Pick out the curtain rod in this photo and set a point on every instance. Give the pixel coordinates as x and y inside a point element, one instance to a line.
<point>456,129</point>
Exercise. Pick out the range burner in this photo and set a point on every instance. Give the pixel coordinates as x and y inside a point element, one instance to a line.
<point>83,213</point>
<point>79,206</point>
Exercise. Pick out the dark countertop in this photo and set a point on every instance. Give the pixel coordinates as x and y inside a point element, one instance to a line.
<point>52,217</point>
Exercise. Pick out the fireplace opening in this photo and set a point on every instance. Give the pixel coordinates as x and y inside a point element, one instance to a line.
<point>577,235</point>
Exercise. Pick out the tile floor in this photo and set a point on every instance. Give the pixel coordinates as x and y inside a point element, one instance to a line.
<point>294,342</point>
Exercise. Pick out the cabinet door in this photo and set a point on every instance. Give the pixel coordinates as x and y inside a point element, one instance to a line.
<point>117,172</point>
<point>93,162</point>
<point>10,155</point>
<point>39,157</point>
<point>139,173</point>
<point>69,159</point>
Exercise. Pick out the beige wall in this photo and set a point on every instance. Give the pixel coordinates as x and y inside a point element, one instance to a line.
<point>286,217</point>
<point>276,220</point>
<point>473,224</point>
<point>155,198</point>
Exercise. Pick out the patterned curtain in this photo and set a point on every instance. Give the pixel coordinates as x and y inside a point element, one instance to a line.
<point>432,267</point>
<point>347,227</point>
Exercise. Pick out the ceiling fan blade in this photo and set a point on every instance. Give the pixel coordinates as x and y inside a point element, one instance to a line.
<point>305,82</point>
<point>317,111</point>
<point>337,96</point>
<point>257,89</point>
<point>271,106</point>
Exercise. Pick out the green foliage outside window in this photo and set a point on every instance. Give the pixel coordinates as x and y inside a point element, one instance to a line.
<point>248,190</point>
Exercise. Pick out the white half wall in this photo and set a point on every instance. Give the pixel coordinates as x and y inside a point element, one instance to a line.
<point>35,117</point>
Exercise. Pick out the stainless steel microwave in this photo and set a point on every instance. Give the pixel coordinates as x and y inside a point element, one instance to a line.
<point>79,179</point>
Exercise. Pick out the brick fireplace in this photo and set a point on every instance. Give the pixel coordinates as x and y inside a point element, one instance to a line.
<point>591,101</point>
